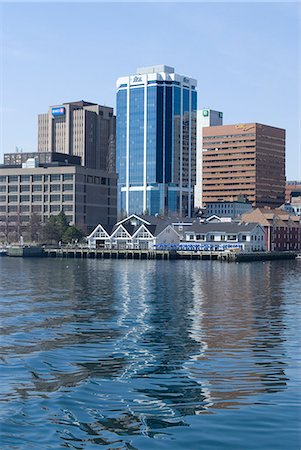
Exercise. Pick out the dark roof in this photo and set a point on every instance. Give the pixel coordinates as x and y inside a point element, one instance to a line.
<point>80,103</point>
<point>108,228</point>
<point>158,228</point>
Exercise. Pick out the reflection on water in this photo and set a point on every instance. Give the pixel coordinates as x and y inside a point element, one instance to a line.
<point>124,354</point>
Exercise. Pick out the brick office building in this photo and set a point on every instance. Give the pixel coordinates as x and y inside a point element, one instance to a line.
<point>244,160</point>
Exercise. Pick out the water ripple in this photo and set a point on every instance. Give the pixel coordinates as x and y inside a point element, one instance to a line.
<point>149,354</point>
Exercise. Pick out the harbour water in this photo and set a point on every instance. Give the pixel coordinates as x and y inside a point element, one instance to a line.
<point>150,354</point>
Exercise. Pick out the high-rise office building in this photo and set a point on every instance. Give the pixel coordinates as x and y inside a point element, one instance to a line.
<point>244,160</point>
<point>81,129</point>
<point>156,142</point>
<point>205,118</point>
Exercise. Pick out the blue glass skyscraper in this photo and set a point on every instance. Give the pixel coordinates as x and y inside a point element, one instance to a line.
<point>156,142</point>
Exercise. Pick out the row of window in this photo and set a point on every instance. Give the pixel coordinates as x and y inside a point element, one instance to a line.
<point>36,198</point>
<point>36,178</point>
<point>34,208</point>
<point>228,237</point>
<point>37,188</point>
<point>97,180</point>
<point>26,218</point>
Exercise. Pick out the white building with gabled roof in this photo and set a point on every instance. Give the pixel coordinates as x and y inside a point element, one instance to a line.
<point>134,232</point>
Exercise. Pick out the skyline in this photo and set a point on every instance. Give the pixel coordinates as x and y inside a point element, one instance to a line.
<point>78,52</point>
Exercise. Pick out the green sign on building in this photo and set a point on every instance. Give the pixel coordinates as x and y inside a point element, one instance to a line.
<point>205,112</point>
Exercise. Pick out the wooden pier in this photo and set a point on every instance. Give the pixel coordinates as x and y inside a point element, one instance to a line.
<point>137,254</point>
<point>108,253</point>
<point>146,254</point>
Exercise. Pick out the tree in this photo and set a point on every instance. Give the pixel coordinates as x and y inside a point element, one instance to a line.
<point>61,223</point>
<point>34,227</point>
<point>58,229</point>
<point>50,231</point>
<point>72,233</point>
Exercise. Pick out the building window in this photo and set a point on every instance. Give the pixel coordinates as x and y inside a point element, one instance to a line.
<point>25,178</point>
<point>37,188</point>
<point>68,208</point>
<point>67,198</point>
<point>13,179</point>
<point>103,180</point>
<point>55,197</point>
<point>231,237</point>
<point>244,237</point>
<point>25,188</point>
<point>13,188</point>
<point>24,198</point>
<point>67,187</point>
<point>55,187</point>
<point>89,179</point>
<point>37,208</point>
<point>55,177</point>
<point>68,177</point>
<point>24,208</point>
<point>36,198</point>
<point>96,180</point>
<point>13,208</point>
<point>54,208</point>
<point>45,208</point>
<point>12,198</point>
<point>36,178</point>
<point>2,179</point>
<point>24,218</point>
<point>2,188</point>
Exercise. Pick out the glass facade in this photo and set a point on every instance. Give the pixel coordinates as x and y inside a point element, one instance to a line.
<point>161,130</point>
<point>136,137</point>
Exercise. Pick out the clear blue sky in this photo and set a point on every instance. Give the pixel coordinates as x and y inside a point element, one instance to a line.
<point>245,56</point>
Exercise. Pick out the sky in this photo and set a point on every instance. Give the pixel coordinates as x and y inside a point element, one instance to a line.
<point>245,56</point>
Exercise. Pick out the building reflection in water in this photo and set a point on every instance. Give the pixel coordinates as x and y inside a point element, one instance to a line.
<point>135,347</point>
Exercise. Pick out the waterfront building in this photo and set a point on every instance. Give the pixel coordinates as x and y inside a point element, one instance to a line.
<point>81,129</point>
<point>244,160</point>
<point>156,142</point>
<point>205,118</point>
<point>87,196</point>
<point>134,232</point>
<point>282,229</point>
<point>150,232</point>
<point>221,236</point>
<point>227,209</point>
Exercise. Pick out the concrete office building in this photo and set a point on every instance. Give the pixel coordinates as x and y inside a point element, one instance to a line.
<point>87,196</point>
<point>244,160</point>
<point>205,118</point>
<point>81,129</point>
<point>156,142</point>
<point>227,209</point>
